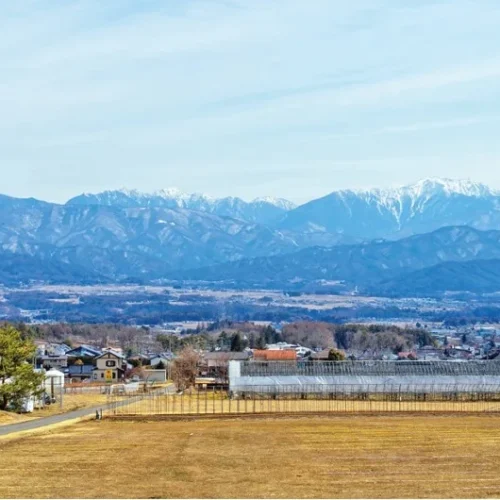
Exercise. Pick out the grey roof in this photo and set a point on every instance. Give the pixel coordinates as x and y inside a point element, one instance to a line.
<point>92,351</point>
<point>226,356</point>
<point>80,369</point>
<point>113,353</point>
<point>372,368</point>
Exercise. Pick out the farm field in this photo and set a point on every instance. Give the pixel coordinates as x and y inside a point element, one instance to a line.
<point>343,456</point>
<point>70,402</point>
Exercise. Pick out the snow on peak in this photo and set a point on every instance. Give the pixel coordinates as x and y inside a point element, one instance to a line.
<point>169,193</point>
<point>174,197</point>
<point>277,202</point>
<point>435,185</point>
<point>426,188</point>
<point>407,201</point>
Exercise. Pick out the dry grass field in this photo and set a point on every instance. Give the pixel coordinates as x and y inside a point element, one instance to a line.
<point>70,402</point>
<point>343,457</point>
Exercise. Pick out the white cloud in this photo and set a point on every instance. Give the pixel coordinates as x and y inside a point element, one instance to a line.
<point>243,84</point>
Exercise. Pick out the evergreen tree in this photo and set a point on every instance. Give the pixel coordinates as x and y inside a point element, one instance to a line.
<point>223,340</point>
<point>271,335</point>
<point>261,342</point>
<point>18,379</point>
<point>335,355</point>
<point>237,343</point>
<point>252,341</point>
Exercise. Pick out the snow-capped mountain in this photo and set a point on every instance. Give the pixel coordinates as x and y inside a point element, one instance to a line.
<point>261,210</point>
<point>116,242</point>
<point>398,212</point>
<point>120,235</point>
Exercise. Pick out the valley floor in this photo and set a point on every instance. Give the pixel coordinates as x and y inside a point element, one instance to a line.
<point>335,457</point>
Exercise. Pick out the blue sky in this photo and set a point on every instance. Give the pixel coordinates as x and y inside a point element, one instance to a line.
<point>289,98</point>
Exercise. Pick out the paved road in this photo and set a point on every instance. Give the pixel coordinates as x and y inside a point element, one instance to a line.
<point>37,423</point>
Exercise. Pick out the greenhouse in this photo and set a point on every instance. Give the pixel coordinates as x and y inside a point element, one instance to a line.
<point>365,377</point>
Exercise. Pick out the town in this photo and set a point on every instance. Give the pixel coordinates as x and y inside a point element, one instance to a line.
<point>76,362</point>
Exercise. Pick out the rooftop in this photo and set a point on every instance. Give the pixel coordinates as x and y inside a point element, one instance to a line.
<point>275,355</point>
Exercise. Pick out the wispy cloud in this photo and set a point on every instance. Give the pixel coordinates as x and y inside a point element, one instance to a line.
<point>154,92</point>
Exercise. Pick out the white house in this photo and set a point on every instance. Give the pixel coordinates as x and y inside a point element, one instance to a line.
<point>110,367</point>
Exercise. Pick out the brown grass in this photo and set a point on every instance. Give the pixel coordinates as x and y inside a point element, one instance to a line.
<point>339,457</point>
<point>70,402</point>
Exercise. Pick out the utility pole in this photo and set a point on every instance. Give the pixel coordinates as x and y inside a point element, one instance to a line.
<point>61,395</point>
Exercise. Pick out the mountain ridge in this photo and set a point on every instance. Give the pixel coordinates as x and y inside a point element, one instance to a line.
<point>398,212</point>
<point>361,266</point>
<point>264,210</point>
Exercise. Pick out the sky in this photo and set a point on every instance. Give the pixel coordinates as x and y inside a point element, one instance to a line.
<point>286,98</point>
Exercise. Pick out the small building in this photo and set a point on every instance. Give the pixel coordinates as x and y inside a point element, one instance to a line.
<point>110,367</point>
<point>48,362</point>
<point>54,382</point>
<point>278,355</point>
<point>155,375</point>
<point>322,355</point>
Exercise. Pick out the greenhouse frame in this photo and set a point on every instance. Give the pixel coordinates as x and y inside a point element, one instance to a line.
<point>366,377</point>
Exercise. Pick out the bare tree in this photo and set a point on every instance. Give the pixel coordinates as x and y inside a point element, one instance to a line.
<point>185,368</point>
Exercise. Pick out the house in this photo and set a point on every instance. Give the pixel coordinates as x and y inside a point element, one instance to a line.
<point>41,347</point>
<point>83,351</point>
<point>156,360</point>
<point>57,349</point>
<point>79,373</point>
<point>215,364</point>
<point>138,360</point>
<point>429,353</point>
<point>217,359</point>
<point>52,361</point>
<point>285,346</point>
<point>410,355</point>
<point>109,367</point>
<point>115,349</point>
<point>278,355</point>
<point>303,351</point>
<point>460,352</point>
<point>281,346</point>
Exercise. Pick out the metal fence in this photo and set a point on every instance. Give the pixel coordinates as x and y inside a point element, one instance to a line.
<point>310,400</point>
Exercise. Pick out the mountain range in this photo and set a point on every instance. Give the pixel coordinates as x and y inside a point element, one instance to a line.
<point>396,213</point>
<point>266,210</point>
<point>387,267</point>
<point>366,239</point>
